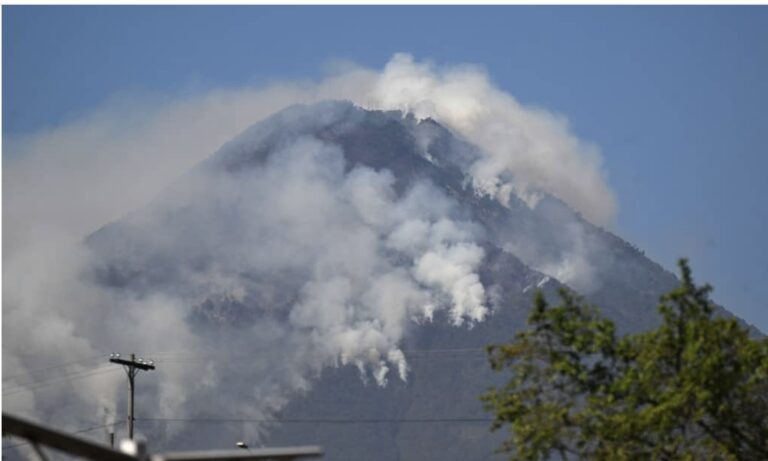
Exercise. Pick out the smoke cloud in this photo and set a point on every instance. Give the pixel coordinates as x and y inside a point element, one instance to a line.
<point>363,262</point>
<point>527,150</point>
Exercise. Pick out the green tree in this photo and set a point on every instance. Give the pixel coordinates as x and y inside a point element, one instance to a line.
<point>696,388</point>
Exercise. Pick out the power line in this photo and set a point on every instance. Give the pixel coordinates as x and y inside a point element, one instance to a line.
<point>193,357</point>
<point>72,376</point>
<point>225,354</point>
<point>180,356</point>
<point>58,377</point>
<point>63,365</point>
<point>411,354</point>
<point>322,420</point>
<point>66,378</point>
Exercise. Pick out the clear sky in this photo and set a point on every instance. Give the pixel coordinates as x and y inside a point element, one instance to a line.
<point>675,97</point>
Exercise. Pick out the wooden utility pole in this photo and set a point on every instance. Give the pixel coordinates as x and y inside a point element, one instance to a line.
<point>132,368</point>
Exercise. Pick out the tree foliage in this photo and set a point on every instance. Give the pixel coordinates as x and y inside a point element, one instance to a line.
<point>695,388</point>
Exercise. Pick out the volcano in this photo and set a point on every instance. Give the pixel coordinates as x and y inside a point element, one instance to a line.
<point>341,274</point>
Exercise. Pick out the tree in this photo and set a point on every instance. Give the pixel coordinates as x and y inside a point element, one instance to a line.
<point>694,388</point>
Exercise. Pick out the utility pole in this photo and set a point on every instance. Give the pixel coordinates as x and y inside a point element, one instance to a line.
<point>132,368</point>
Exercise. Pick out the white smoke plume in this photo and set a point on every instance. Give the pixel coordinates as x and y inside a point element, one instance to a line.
<point>371,262</point>
<point>527,149</point>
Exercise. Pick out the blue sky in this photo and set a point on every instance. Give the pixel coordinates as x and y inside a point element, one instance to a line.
<point>675,97</point>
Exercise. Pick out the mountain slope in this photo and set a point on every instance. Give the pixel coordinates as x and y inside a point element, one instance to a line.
<point>221,243</point>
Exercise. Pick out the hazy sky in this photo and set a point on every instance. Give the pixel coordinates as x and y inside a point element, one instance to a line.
<point>675,98</point>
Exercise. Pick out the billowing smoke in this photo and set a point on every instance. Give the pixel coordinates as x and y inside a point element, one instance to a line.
<point>301,263</point>
<point>527,150</point>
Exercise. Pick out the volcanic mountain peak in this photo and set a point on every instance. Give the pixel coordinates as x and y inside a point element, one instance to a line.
<point>330,235</point>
